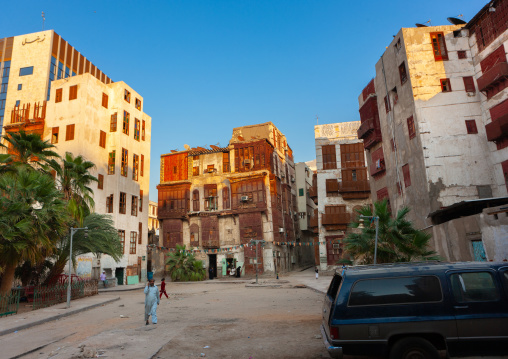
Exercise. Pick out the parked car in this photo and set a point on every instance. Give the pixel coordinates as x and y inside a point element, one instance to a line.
<point>416,310</point>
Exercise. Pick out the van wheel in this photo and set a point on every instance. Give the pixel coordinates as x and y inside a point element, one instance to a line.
<point>413,348</point>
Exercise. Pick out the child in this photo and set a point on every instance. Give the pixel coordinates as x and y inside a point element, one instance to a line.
<point>317,273</point>
<point>163,288</point>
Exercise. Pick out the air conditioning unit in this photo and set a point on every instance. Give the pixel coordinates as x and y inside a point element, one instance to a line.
<point>281,230</point>
<point>244,198</point>
<point>293,179</point>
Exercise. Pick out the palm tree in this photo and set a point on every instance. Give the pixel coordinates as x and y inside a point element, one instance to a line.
<point>102,239</point>
<point>183,266</point>
<point>29,149</point>
<point>33,216</point>
<point>74,179</point>
<point>398,240</point>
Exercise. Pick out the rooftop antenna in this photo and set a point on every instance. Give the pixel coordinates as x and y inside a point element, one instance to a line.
<point>43,19</point>
<point>317,119</point>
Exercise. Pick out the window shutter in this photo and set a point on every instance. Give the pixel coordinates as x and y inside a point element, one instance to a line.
<point>469,84</point>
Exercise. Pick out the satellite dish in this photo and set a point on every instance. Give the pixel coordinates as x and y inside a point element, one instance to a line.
<point>187,147</point>
<point>420,25</point>
<point>456,21</point>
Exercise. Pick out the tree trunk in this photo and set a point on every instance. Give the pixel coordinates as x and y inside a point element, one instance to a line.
<point>7,279</point>
<point>57,269</point>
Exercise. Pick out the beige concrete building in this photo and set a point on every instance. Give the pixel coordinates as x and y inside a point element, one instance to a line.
<point>340,186</point>
<point>423,128</point>
<point>216,200</point>
<point>52,89</point>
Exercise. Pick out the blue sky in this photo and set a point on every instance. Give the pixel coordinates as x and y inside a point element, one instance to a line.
<point>204,67</point>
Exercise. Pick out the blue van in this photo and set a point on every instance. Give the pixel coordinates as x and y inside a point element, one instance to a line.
<point>417,310</point>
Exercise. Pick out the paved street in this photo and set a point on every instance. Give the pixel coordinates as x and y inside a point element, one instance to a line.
<point>278,319</point>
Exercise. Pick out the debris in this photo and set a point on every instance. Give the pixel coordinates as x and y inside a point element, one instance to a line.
<point>122,305</point>
<point>317,336</point>
<point>123,316</point>
<point>202,355</point>
<point>15,331</point>
<point>206,347</point>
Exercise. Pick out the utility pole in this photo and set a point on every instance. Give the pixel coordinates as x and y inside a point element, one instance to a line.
<point>256,242</point>
<point>73,230</point>
<point>376,220</point>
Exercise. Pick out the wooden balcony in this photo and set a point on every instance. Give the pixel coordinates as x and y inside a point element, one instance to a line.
<point>497,129</point>
<point>493,76</point>
<point>354,189</point>
<point>377,169</point>
<point>339,218</point>
<point>366,127</point>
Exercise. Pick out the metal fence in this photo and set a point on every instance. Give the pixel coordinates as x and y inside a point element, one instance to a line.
<point>47,296</point>
<point>9,303</point>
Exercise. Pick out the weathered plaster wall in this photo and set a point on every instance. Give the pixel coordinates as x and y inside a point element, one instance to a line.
<point>494,228</point>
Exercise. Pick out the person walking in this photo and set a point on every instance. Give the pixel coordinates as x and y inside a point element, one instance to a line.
<point>317,273</point>
<point>151,301</point>
<point>103,279</point>
<point>163,288</point>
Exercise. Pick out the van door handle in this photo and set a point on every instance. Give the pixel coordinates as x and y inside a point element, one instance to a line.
<point>461,306</point>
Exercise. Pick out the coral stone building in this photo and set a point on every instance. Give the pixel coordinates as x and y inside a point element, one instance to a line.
<point>50,88</point>
<point>217,200</point>
<point>340,186</point>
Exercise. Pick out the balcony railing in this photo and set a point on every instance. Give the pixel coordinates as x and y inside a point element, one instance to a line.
<point>378,168</point>
<point>339,218</point>
<point>313,193</point>
<point>21,114</point>
<point>493,76</point>
<point>497,129</point>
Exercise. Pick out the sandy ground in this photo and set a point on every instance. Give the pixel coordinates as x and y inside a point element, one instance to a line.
<point>220,320</point>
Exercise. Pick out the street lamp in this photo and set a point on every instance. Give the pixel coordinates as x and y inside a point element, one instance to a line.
<point>376,219</point>
<point>256,242</point>
<point>73,230</point>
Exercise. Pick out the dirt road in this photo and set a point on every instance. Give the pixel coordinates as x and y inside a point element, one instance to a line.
<point>219,320</point>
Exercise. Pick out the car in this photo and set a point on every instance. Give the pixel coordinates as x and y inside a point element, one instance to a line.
<point>417,310</point>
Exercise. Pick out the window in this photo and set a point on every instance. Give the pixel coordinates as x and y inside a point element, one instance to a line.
<point>471,127</point>
<point>24,71</point>
<point>402,73</point>
<point>462,54</point>
<point>140,230</point>
<point>386,291</point>
<point>109,204</point>
<point>100,183</point>
<point>135,167</point>
<point>123,203</point>
<point>126,118</point>
<point>136,129</point>
<point>407,175</point>
<point>69,133</point>
<point>438,46</point>
<point>329,157</point>
<point>105,100</point>
<point>54,134</point>
<point>474,287</point>
<point>111,162</point>
<point>210,197</point>
<point>58,95</point>
<point>127,96</point>
<point>195,200</point>
<point>411,127</point>
<point>469,84</point>
<point>445,85</point>
<point>332,187</point>
<point>125,162</point>
<point>138,104</point>
<point>226,202</point>
<point>121,234</point>
<point>397,46</point>
<point>112,126</point>
<point>225,162</point>
<point>142,170</point>
<point>20,86</point>
<point>210,168</point>
<point>73,92</point>
<point>141,200</point>
<point>134,207</point>
<point>301,192</point>
<point>143,131</point>
<point>134,239</point>
<point>195,171</point>
<point>102,139</point>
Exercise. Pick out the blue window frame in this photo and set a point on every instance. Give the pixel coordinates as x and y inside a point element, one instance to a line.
<point>24,71</point>
<point>20,86</point>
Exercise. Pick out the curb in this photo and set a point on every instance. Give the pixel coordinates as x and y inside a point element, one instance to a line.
<point>55,317</point>
<point>119,290</point>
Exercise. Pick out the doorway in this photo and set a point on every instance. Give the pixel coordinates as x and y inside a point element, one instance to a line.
<point>119,274</point>
<point>212,263</point>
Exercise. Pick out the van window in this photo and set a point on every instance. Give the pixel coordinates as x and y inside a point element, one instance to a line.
<point>396,291</point>
<point>334,287</point>
<point>504,279</point>
<point>474,287</point>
